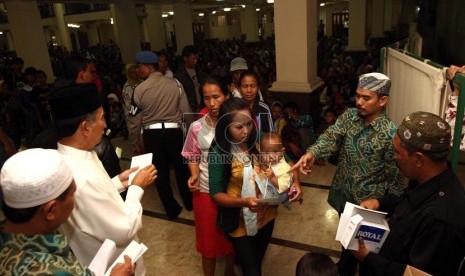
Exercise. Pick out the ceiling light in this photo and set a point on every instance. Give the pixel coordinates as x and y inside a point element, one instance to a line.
<point>243,6</point>
<point>270,1</point>
<point>257,9</point>
<point>322,4</point>
<point>164,15</point>
<point>201,14</point>
<point>71,25</point>
<point>213,12</point>
<point>227,9</point>
<point>111,21</point>
<point>171,12</point>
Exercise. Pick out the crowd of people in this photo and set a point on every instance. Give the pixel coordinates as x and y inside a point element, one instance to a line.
<point>236,152</point>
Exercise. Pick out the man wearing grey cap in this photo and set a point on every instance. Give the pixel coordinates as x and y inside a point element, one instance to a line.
<point>35,204</point>
<point>363,138</point>
<point>162,106</point>
<point>238,65</point>
<point>100,211</point>
<point>427,224</point>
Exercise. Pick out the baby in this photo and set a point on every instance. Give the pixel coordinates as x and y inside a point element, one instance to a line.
<point>273,168</point>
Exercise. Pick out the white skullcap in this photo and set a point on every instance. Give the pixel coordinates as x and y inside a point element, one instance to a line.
<point>33,177</point>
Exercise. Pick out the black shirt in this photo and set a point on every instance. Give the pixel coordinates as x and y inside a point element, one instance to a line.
<point>427,230</point>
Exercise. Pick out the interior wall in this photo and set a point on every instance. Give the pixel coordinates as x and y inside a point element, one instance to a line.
<point>329,9</point>
<point>226,32</point>
<point>450,39</point>
<point>107,33</point>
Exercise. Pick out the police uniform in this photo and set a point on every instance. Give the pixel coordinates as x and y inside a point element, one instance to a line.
<point>160,104</point>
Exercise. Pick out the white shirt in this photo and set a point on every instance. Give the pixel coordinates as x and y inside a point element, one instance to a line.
<point>99,211</point>
<point>196,148</point>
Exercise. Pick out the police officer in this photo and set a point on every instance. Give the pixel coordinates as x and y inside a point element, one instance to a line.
<point>155,125</point>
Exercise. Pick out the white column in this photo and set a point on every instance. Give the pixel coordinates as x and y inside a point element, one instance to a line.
<point>183,25</point>
<point>357,28</point>
<point>249,23</point>
<point>93,34</point>
<point>28,34</point>
<point>377,18</point>
<point>296,51</point>
<point>64,38</point>
<point>155,31</point>
<point>126,29</point>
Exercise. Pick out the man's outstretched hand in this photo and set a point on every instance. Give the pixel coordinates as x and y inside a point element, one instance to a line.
<point>305,164</point>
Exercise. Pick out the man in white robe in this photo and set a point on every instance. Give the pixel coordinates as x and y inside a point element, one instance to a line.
<point>100,212</point>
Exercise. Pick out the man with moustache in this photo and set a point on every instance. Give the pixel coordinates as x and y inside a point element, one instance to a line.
<point>363,138</point>
<point>427,229</point>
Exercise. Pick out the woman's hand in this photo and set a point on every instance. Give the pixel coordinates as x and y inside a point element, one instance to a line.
<point>193,183</point>
<point>253,205</point>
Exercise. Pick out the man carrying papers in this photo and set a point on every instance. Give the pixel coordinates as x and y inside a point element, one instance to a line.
<point>366,167</point>
<point>100,212</point>
<point>427,226</point>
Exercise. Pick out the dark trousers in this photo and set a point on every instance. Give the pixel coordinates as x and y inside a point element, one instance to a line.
<point>166,146</point>
<point>347,265</point>
<point>251,250</point>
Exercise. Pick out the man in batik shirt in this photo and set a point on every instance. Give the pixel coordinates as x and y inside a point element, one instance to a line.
<point>366,166</point>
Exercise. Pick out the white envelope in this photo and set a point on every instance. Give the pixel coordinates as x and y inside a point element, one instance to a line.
<point>140,161</point>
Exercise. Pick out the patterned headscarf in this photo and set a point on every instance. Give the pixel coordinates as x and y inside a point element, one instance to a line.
<point>425,131</point>
<point>375,82</point>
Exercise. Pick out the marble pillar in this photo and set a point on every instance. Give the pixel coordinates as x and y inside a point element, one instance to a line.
<point>183,25</point>
<point>249,23</point>
<point>126,27</point>
<point>28,34</point>
<point>64,37</point>
<point>155,31</point>
<point>296,63</point>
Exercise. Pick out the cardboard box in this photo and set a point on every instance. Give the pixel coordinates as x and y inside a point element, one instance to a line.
<point>411,271</point>
<point>358,222</point>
